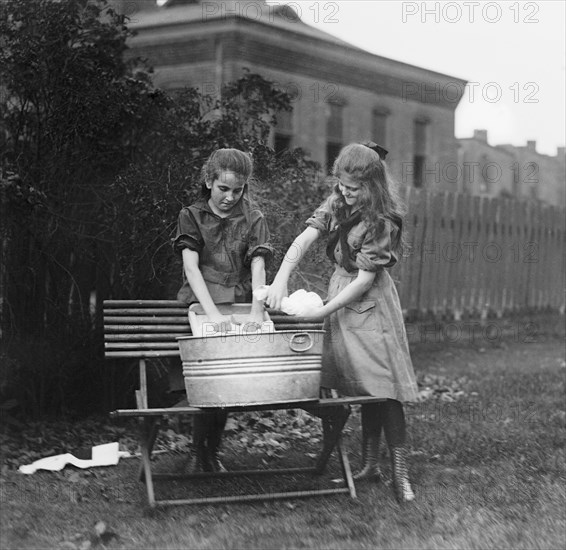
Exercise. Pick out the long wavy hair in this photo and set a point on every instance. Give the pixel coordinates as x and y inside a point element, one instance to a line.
<point>378,198</point>
<point>224,160</point>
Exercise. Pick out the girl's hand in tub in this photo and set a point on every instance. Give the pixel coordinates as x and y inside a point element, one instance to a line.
<point>275,294</point>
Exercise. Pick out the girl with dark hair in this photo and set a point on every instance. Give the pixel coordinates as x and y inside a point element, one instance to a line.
<point>365,350</point>
<point>223,241</point>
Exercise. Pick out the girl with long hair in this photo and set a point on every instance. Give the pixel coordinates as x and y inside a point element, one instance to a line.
<point>365,349</point>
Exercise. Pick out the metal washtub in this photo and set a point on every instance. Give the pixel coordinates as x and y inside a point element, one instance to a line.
<point>252,368</point>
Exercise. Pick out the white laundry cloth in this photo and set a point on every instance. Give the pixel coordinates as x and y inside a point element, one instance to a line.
<point>102,455</point>
<point>296,304</point>
<point>211,329</point>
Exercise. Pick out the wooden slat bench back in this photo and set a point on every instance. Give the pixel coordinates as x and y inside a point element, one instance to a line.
<point>146,329</point>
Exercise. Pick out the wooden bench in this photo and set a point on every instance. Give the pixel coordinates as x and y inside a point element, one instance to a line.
<point>147,329</point>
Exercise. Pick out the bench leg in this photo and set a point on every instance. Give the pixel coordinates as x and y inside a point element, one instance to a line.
<point>346,470</point>
<point>143,384</point>
<point>332,428</point>
<point>151,436</point>
<point>149,431</point>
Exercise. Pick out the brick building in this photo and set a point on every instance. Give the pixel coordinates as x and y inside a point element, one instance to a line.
<point>509,170</point>
<point>342,93</point>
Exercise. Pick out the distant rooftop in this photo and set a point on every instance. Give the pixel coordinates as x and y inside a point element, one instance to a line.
<point>280,16</point>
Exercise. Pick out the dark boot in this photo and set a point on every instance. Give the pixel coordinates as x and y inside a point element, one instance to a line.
<point>371,430</point>
<point>370,454</point>
<point>199,461</point>
<point>214,439</point>
<point>401,483</point>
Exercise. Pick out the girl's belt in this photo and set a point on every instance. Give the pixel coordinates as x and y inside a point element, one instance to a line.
<point>343,272</point>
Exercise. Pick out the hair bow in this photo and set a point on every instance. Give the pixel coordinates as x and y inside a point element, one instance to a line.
<point>377,148</point>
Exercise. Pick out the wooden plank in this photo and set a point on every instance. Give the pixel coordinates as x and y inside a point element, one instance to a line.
<point>139,399</point>
<point>499,280</point>
<point>398,271</point>
<point>140,345</point>
<point>561,260</point>
<point>143,303</point>
<point>419,244</point>
<point>146,328</point>
<point>503,221</point>
<point>491,256</point>
<point>308,406</point>
<point>454,254</point>
<point>404,273</point>
<point>166,336</point>
<point>469,244</point>
<point>147,311</point>
<point>443,237</point>
<point>548,257</point>
<point>431,253</point>
<point>145,319</point>
<point>534,253</point>
<point>143,382</point>
<point>558,259</point>
<point>522,239</point>
<point>415,229</point>
<point>148,353</point>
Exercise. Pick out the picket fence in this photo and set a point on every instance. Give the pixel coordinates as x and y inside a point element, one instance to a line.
<point>469,255</point>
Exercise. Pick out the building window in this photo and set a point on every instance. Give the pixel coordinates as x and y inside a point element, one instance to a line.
<point>334,133</point>
<point>283,134</point>
<point>419,155</point>
<point>379,126</point>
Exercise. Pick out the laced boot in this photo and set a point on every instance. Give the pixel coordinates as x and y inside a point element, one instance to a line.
<point>370,453</point>
<point>401,484</point>
<point>199,461</point>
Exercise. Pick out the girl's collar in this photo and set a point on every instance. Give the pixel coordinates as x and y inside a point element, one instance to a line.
<point>238,209</point>
<point>353,210</point>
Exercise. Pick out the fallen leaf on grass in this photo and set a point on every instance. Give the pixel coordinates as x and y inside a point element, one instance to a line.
<point>74,477</point>
<point>101,535</point>
<point>192,521</point>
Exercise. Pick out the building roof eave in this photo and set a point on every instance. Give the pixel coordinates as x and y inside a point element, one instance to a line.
<point>191,15</point>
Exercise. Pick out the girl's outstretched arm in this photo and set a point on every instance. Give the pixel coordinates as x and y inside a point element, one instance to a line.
<point>198,286</point>
<point>258,279</point>
<point>278,289</point>
<point>350,293</point>
<point>258,271</point>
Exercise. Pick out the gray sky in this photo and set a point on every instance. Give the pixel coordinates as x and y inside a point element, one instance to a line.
<point>512,54</point>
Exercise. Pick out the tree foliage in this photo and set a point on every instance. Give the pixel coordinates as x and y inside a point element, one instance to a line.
<point>95,164</point>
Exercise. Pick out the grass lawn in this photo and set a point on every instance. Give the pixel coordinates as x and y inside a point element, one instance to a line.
<point>487,462</point>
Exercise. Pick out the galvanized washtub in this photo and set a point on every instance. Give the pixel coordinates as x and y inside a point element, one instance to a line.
<point>252,368</point>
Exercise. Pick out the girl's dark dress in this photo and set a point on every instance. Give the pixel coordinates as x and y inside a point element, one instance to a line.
<point>226,247</point>
<point>366,350</point>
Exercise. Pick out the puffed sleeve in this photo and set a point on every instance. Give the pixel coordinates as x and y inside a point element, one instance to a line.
<point>321,218</point>
<point>188,233</point>
<point>376,250</point>
<point>258,239</point>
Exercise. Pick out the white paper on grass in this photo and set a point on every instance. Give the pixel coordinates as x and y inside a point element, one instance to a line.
<point>102,455</point>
